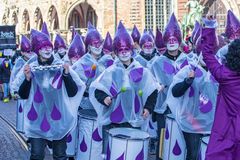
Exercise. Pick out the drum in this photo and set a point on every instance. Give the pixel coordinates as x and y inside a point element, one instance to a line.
<point>174,146</point>
<point>203,149</point>
<point>127,144</point>
<point>90,136</point>
<point>72,142</point>
<point>20,116</point>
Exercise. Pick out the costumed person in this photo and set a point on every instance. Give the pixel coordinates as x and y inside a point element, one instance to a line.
<point>232,32</point>
<point>60,47</point>
<point>160,45</point>
<point>122,85</point>
<point>164,67</point>
<point>108,55</point>
<point>87,67</point>
<point>45,29</point>
<point>148,52</point>
<point>136,38</point>
<point>225,136</point>
<point>52,99</point>
<point>20,62</point>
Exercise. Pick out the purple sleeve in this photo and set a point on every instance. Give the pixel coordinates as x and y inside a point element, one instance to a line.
<point>220,72</point>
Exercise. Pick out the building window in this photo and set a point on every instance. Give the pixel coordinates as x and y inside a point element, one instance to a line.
<point>148,14</point>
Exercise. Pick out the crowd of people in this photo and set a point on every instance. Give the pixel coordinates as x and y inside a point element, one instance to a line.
<point>135,81</point>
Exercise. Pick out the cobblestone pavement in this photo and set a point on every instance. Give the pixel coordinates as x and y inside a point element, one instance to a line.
<point>11,148</point>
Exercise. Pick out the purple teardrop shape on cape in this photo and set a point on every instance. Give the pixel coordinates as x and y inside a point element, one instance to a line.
<point>167,133</point>
<point>168,68</point>
<point>176,149</point>
<point>87,70</point>
<point>185,63</point>
<point>32,114</point>
<point>109,63</point>
<point>108,152</point>
<point>113,90</point>
<point>205,108</point>
<point>69,138</point>
<point>117,115</point>
<point>55,114</point>
<point>136,74</point>
<point>45,126</point>
<point>83,145</point>
<point>38,97</point>
<point>191,92</point>
<point>121,157</point>
<point>136,104</point>
<point>150,125</point>
<point>20,109</point>
<point>95,136</point>
<point>140,155</point>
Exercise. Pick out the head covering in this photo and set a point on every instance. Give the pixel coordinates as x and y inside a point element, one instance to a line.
<point>172,29</point>
<point>122,38</point>
<point>25,44</point>
<point>108,43</point>
<point>76,47</point>
<point>39,40</point>
<point>146,37</point>
<point>159,40</point>
<point>59,42</point>
<point>233,26</point>
<point>92,35</point>
<point>45,29</point>
<point>135,34</point>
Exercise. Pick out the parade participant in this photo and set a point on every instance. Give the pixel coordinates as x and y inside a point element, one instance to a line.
<point>108,55</point>
<point>5,70</point>
<point>136,38</point>
<point>164,67</point>
<point>87,67</point>
<point>224,139</point>
<point>148,52</point>
<point>45,29</point>
<point>232,32</point>
<point>76,49</point>
<point>52,99</point>
<point>60,47</point>
<point>111,96</point>
<point>160,45</point>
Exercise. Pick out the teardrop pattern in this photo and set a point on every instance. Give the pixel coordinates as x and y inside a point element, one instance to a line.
<point>176,149</point>
<point>83,145</point>
<point>69,138</point>
<point>140,155</point>
<point>32,114</point>
<point>45,126</point>
<point>136,104</point>
<point>117,115</point>
<point>38,97</point>
<point>95,136</point>
<point>20,109</point>
<point>55,114</point>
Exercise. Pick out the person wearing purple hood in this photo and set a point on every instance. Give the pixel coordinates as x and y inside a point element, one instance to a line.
<point>60,47</point>
<point>160,45</point>
<point>136,38</point>
<point>52,99</point>
<point>122,85</point>
<point>225,135</point>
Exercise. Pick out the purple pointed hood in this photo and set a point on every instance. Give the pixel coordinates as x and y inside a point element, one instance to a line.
<point>146,37</point>
<point>76,47</point>
<point>39,40</point>
<point>136,34</point>
<point>45,29</point>
<point>197,34</point>
<point>122,38</point>
<point>233,26</point>
<point>59,42</point>
<point>92,35</point>
<point>195,29</point>
<point>107,46</point>
<point>172,29</point>
<point>25,44</point>
<point>159,40</point>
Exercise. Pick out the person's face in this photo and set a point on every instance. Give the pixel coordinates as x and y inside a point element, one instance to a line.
<point>46,52</point>
<point>172,43</point>
<point>148,48</point>
<point>124,54</point>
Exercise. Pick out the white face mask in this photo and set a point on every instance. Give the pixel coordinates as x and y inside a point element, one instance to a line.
<point>62,51</point>
<point>96,51</point>
<point>125,57</point>
<point>148,51</point>
<point>172,47</point>
<point>45,53</point>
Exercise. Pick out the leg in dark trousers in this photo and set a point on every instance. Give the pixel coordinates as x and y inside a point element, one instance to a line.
<point>193,141</point>
<point>59,149</point>
<point>160,118</point>
<point>37,148</point>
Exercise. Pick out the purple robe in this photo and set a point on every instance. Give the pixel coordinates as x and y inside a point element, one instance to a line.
<point>225,136</point>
